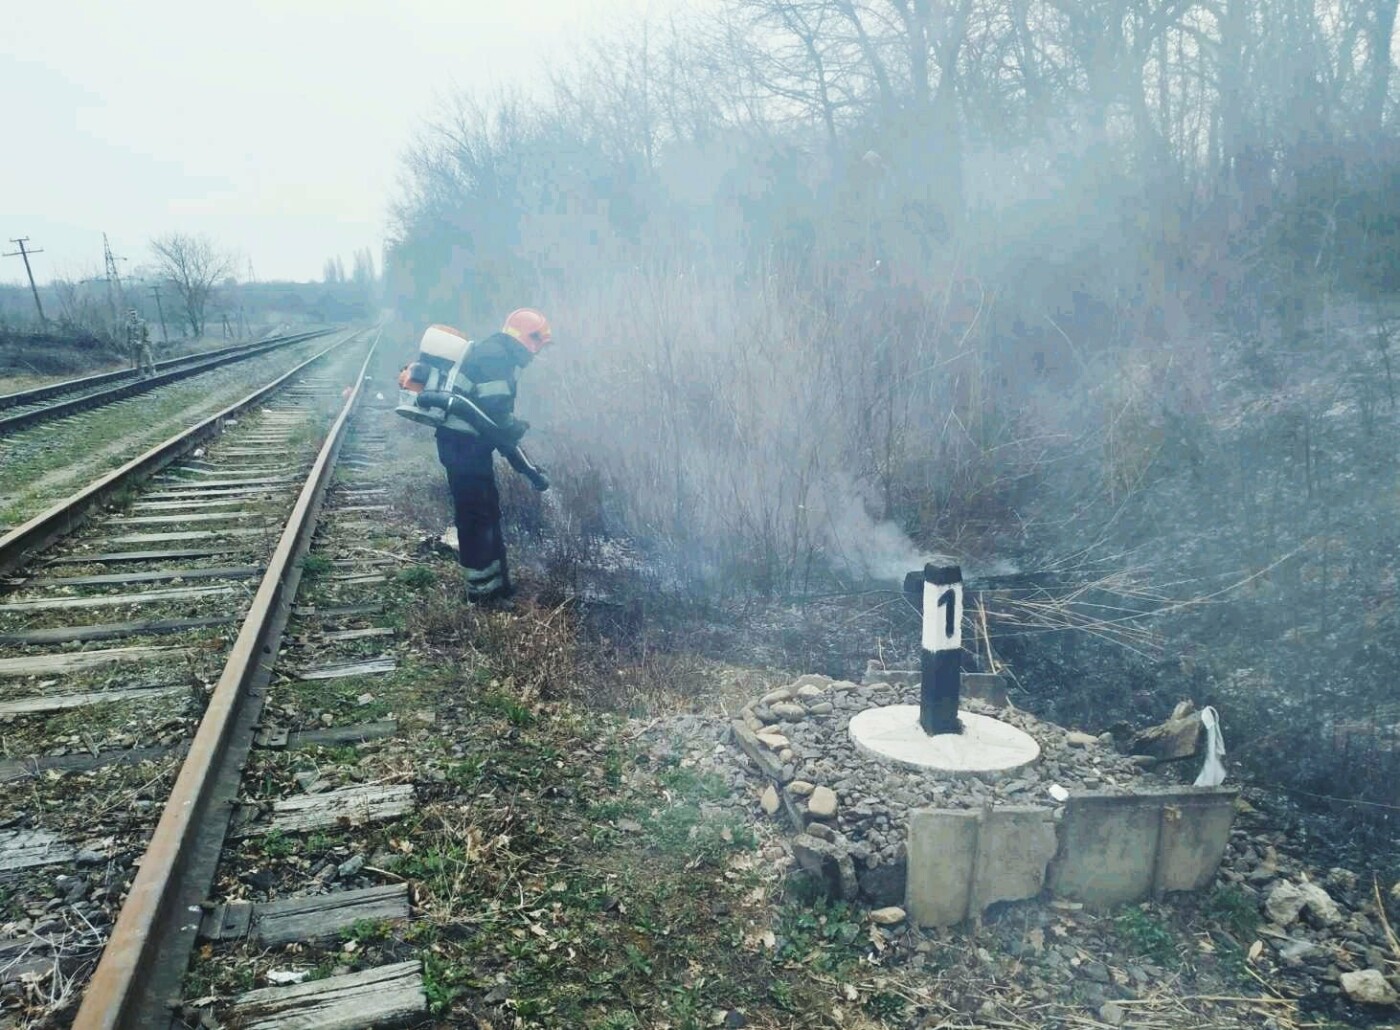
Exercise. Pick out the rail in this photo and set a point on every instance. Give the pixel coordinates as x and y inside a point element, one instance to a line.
<point>67,514</point>
<point>203,363</point>
<point>147,953</point>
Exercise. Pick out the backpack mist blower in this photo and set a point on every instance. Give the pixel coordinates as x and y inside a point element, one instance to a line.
<point>435,392</point>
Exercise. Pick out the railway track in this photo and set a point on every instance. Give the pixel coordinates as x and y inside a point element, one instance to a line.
<point>127,653</point>
<point>42,465</point>
<point>58,400</point>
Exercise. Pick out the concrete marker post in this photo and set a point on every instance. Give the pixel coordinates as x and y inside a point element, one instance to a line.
<point>940,660</point>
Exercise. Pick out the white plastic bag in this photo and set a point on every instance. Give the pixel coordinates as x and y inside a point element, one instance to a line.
<point>1213,772</point>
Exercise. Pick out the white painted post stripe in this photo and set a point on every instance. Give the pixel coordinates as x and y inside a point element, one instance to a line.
<point>936,617</point>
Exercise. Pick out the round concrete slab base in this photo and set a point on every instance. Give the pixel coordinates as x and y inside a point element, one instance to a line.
<point>985,748</point>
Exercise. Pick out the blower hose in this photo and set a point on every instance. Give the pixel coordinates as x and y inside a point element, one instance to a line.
<point>457,406</point>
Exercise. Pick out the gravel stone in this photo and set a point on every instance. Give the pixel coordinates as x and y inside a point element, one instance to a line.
<point>822,803</point>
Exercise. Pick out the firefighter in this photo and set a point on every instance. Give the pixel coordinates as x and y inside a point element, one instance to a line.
<point>493,366</point>
<point>138,344</point>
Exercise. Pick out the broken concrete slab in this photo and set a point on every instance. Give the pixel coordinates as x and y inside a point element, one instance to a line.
<point>1108,849</point>
<point>1126,847</point>
<point>942,850</point>
<point>829,863</point>
<point>1015,846</point>
<point>1195,833</point>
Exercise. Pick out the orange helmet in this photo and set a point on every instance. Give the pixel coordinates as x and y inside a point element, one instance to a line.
<point>529,327</point>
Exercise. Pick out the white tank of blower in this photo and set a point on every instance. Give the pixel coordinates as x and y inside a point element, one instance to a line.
<point>440,354</point>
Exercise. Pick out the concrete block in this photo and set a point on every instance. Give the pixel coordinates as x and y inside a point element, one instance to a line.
<point>829,863</point>
<point>1195,832</point>
<point>875,673</point>
<point>942,849</point>
<point>985,686</point>
<point>1108,848</point>
<point>1016,845</point>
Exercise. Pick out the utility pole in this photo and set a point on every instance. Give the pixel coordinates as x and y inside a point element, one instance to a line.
<point>32,288</point>
<point>164,336</point>
<point>114,282</point>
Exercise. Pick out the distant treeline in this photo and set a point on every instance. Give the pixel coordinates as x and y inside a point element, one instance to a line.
<point>85,311</point>
<point>1151,159</point>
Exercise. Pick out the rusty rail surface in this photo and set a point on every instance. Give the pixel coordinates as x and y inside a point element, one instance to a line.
<point>67,515</point>
<point>144,961</point>
<point>204,363</point>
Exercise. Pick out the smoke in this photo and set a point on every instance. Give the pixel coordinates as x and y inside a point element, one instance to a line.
<point>859,545</point>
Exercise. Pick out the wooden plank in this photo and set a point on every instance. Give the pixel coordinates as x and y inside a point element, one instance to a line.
<point>382,996</point>
<point>217,484</point>
<point>24,849</point>
<point>25,768</point>
<point>233,502</point>
<point>361,507</point>
<point>241,472</point>
<point>195,495</point>
<point>42,704</point>
<point>373,667</point>
<point>125,556</point>
<point>311,612</point>
<point>362,579</point>
<point>202,534</point>
<point>326,915</point>
<point>165,520</point>
<point>332,736</point>
<point>107,600</point>
<point>228,921</point>
<point>352,806</point>
<point>271,736</point>
<point>357,634</point>
<point>112,630</point>
<point>161,576</point>
<point>211,470</point>
<point>75,661</point>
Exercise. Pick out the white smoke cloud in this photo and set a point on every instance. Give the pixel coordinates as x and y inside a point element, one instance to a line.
<point>858,544</point>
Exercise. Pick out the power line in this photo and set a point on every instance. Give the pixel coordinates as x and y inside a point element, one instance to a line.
<point>164,336</point>
<point>22,252</point>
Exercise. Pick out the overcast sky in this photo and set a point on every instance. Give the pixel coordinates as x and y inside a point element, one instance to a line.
<point>275,126</point>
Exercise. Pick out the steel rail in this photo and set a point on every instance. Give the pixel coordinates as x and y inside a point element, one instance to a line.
<point>148,951</point>
<point>68,514</point>
<point>24,419</point>
<point>43,393</point>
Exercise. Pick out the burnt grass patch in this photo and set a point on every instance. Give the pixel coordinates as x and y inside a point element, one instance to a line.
<point>562,874</point>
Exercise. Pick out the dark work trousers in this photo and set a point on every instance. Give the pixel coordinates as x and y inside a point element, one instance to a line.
<point>476,506</point>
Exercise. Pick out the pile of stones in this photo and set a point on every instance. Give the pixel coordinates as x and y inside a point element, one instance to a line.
<point>1326,933</point>
<point>858,806</point>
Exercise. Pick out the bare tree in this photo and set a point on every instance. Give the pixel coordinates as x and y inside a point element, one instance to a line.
<point>193,265</point>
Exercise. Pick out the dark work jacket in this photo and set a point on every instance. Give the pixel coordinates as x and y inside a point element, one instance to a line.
<point>493,364</point>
